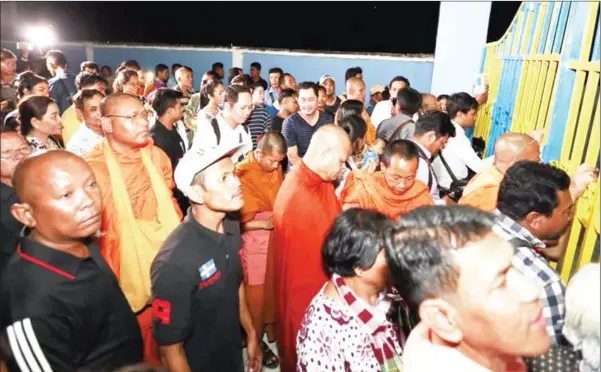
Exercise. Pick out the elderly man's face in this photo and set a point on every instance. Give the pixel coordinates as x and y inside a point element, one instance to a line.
<point>13,148</point>
<point>494,296</point>
<point>128,122</point>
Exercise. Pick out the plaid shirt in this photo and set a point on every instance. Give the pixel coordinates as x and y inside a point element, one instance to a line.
<point>534,266</point>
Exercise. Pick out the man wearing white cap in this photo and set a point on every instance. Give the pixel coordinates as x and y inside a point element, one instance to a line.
<point>376,96</point>
<point>332,100</point>
<point>199,301</point>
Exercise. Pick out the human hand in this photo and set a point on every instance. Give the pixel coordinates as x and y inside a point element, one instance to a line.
<point>538,135</point>
<point>268,224</point>
<point>581,179</point>
<point>254,355</point>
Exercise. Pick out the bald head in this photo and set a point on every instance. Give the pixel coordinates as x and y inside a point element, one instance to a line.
<point>429,102</point>
<point>355,89</point>
<point>110,103</point>
<point>511,148</point>
<point>125,122</point>
<point>328,151</point>
<point>272,142</point>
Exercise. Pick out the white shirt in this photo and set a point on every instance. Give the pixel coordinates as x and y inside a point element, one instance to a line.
<point>347,171</point>
<point>424,174</point>
<point>459,155</point>
<point>205,137</point>
<point>83,140</point>
<point>381,112</point>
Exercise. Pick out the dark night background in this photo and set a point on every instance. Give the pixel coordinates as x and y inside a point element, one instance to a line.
<point>378,27</point>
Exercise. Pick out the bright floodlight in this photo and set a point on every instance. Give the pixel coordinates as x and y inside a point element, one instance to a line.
<point>40,36</point>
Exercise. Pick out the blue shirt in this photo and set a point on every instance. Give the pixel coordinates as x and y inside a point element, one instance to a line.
<point>298,132</point>
<point>62,89</point>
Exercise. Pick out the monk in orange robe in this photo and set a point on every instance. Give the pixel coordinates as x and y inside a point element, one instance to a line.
<point>355,89</point>
<point>260,177</point>
<point>139,211</point>
<point>393,191</point>
<point>482,190</point>
<point>304,211</point>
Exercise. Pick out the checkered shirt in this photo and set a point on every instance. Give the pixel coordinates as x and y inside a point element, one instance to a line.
<point>534,266</point>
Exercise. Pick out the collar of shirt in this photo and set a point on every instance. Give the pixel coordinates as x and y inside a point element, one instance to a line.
<point>511,229</point>
<point>50,258</point>
<point>227,226</point>
<point>459,131</point>
<point>425,150</point>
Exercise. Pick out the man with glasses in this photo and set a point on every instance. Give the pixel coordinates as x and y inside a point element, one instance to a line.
<point>139,210</point>
<point>13,149</point>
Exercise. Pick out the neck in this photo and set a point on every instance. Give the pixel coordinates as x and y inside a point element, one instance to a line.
<point>73,247</point>
<point>331,99</point>
<point>185,90</point>
<point>167,122</point>
<point>120,148</point>
<point>208,218</point>
<point>228,118</point>
<point>255,79</point>
<point>39,135</point>
<point>283,114</point>
<point>96,129</point>
<point>6,180</point>
<point>488,360</point>
<point>7,78</point>
<point>365,292</point>
<point>212,107</point>
<point>421,141</point>
<point>310,118</point>
<point>311,164</point>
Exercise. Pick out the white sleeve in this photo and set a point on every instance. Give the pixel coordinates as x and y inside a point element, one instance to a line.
<point>468,156</point>
<point>381,112</point>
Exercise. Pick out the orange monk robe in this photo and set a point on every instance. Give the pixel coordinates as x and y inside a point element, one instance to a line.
<point>304,212</point>
<point>371,192</point>
<point>482,190</point>
<point>144,205</point>
<point>370,135</point>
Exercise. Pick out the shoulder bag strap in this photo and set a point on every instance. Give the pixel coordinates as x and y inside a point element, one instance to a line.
<point>444,162</point>
<point>430,171</point>
<point>216,129</point>
<point>398,129</point>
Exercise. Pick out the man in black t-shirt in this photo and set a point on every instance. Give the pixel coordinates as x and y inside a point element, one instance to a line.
<point>255,75</point>
<point>61,308</point>
<point>164,132</point>
<point>198,297</point>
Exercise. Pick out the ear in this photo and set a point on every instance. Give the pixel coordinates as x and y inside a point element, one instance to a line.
<point>196,194</point>
<point>534,220</point>
<point>23,213</point>
<point>79,114</point>
<point>107,124</point>
<point>441,318</point>
<point>35,123</point>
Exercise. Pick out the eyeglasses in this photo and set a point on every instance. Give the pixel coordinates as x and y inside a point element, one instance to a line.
<point>11,153</point>
<point>144,115</point>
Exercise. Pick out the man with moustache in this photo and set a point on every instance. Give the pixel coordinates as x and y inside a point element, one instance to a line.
<point>13,148</point>
<point>61,307</point>
<point>135,178</point>
<point>198,295</point>
<point>305,208</point>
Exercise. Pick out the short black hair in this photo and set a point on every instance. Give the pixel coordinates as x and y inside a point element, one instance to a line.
<point>165,99</point>
<point>256,65</point>
<point>233,91</point>
<point>28,80</point>
<point>244,80</point>
<point>410,100</point>
<point>56,57</point>
<point>32,107</point>
<point>348,108</point>
<point>175,67</point>
<point>86,79</point>
<point>437,122</point>
<point>352,72</point>
<point>531,187</point>
<point>6,54</point>
<point>308,85</point>
<point>460,102</point>
<point>442,96</point>
<point>216,65</point>
<point>209,88</point>
<point>321,88</point>
<point>405,149</point>
<point>132,63</point>
<point>286,93</point>
<point>419,248</point>
<point>160,68</point>
<point>276,70</point>
<point>83,95</point>
<point>232,73</point>
<point>88,64</point>
<point>105,67</point>
<point>399,78</point>
<point>354,241</point>
<point>354,126</point>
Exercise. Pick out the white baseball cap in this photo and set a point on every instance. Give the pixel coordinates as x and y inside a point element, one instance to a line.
<point>378,88</point>
<point>198,159</point>
<point>323,78</point>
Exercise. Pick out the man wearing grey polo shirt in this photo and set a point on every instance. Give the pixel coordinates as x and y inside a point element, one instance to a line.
<point>299,127</point>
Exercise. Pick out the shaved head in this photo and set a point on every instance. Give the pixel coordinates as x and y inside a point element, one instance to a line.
<point>58,197</point>
<point>125,122</point>
<point>328,151</point>
<point>272,142</point>
<point>511,148</point>
<point>355,89</point>
<point>110,103</point>
<point>429,103</point>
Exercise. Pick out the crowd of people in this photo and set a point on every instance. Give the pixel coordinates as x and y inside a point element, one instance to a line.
<point>149,225</point>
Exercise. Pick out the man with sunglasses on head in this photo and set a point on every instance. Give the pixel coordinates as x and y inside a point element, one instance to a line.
<point>139,210</point>
<point>13,148</point>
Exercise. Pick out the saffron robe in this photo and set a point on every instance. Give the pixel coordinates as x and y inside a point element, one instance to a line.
<point>305,209</point>
<point>483,190</point>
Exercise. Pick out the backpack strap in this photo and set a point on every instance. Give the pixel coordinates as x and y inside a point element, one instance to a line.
<point>398,129</point>
<point>216,129</point>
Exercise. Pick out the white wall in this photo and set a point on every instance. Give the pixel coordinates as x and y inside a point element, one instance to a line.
<point>462,31</point>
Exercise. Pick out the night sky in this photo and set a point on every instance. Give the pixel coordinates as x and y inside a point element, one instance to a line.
<point>378,27</point>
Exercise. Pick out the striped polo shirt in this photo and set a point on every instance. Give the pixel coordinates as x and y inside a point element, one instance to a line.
<point>298,132</point>
<point>258,123</point>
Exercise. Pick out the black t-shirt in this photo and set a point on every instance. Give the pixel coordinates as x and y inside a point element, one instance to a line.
<point>63,313</point>
<point>174,146</point>
<point>10,228</point>
<point>263,83</point>
<point>276,123</point>
<point>332,109</point>
<point>195,280</point>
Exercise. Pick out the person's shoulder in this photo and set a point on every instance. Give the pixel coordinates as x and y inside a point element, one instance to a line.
<point>173,251</point>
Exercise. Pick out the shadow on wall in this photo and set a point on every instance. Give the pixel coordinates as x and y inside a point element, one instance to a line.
<point>304,66</point>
